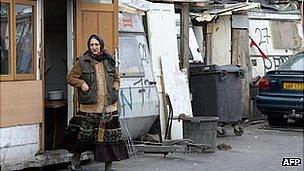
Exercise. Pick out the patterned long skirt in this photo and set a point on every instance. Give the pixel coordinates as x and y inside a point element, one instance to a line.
<point>100,133</point>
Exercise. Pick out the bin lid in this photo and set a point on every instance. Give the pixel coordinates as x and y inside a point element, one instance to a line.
<point>229,68</point>
<point>201,119</point>
<point>215,69</point>
<point>219,68</point>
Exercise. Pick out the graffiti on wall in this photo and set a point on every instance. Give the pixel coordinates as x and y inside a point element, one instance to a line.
<point>263,35</point>
<point>125,100</point>
<point>275,62</point>
<point>263,56</point>
<point>143,52</point>
<point>261,65</point>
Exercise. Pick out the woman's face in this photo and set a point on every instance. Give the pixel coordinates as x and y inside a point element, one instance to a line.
<point>94,46</point>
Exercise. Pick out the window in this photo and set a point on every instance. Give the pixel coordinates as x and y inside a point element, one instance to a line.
<point>129,55</point>
<point>5,39</point>
<point>285,34</point>
<point>17,40</point>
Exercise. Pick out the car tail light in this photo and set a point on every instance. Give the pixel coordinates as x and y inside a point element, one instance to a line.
<point>264,83</point>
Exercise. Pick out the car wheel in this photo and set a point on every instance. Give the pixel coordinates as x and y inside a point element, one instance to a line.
<point>220,131</point>
<point>238,130</point>
<point>276,120</point>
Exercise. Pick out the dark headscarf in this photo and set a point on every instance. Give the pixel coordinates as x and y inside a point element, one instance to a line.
<point>99,57</point>
<point>99,39</point>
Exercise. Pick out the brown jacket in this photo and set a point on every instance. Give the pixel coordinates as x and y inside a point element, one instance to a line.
<point>74,80</point>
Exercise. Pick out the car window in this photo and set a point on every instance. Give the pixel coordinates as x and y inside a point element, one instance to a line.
<point>294,63</point>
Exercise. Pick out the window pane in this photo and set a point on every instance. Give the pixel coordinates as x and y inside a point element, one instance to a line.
<point>4,48</point>
<point>24,39</point>
<point>129,56</point>
<point>285,33</point>
<point>98,1</point>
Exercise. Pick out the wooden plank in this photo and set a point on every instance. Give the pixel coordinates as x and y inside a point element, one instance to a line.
<point>221,41</point>
<point>209,44</point>
<point>160,149</point>
<point>240,56</point>
<point>21,103</point>
<point>184,40</point>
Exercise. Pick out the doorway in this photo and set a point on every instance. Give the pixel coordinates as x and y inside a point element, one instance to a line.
<point>55,71</point>
<point>60,36</point>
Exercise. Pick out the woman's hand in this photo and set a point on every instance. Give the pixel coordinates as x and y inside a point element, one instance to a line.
<point>84,87</point>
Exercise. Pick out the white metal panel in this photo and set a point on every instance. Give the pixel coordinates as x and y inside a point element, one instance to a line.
<point>162,34</point>
<point>159,23</point>
<point>260,32</point>
<point>130,22</point>
<point>19,135</point>
<point>163,44</point>
<point>138,101</point>
<point>138,95</point>
<point>19,143</point>
<point>136,127</point>
<point>18,153</point>
<point>176,86</point>
<point>268,16</point>
<point>221,41</point>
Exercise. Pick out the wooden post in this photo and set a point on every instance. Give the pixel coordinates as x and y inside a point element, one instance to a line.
<point>184,38</point>
<point>240,56</point>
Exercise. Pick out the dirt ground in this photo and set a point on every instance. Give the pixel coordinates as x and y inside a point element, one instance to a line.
<point>259,148</point>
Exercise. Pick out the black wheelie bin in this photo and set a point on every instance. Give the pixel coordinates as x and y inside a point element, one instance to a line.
<point>217,91</point>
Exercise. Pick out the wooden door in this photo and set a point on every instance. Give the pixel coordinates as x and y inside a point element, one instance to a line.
<point>92,16</point>
<point>99,18</point>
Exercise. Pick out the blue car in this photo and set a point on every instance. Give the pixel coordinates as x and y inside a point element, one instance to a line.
<point>281,92</point>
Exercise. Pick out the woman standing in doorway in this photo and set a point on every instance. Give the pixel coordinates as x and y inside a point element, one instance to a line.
<point>96,125</point>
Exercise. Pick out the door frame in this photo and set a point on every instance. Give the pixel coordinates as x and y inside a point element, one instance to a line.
<point>70,53</point>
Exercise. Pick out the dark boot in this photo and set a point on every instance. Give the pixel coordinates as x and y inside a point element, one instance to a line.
<point>75,163</point>
<point>75,168</point>
<point>108,166</point>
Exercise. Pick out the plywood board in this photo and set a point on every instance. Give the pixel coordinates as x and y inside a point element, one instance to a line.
<point>221,41</point>
<point>162,42</point>
<point>21,102</point>
<point>240,56</point>
<point>176,86</point>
